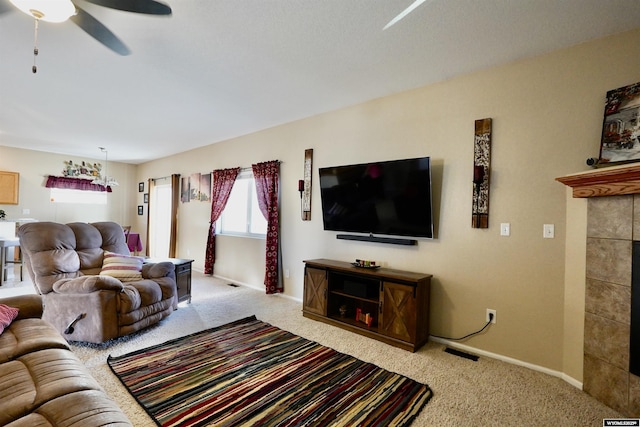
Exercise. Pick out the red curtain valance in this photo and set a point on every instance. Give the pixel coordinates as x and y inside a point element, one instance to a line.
<point>75,184</point>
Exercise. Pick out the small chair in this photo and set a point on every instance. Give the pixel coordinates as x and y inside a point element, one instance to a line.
<point>9,259</point>
<point>126,229</point>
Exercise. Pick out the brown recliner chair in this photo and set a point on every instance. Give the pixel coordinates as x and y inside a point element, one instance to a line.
<point>82,298</point>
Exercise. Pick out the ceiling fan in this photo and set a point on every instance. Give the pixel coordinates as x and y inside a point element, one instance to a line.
<point>63,10</point>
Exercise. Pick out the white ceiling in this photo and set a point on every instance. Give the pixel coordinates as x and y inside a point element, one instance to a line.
<point>218,69</point>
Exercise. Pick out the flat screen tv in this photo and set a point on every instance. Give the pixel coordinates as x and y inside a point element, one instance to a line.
<point>389,198</point>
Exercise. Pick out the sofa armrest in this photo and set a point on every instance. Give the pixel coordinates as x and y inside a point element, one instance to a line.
<point>87,285</point>
<point>30,306</point>
<point>158,270</point>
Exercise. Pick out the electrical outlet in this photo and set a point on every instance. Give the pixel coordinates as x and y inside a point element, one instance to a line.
<point>548,231</point>
<point>491,315</point>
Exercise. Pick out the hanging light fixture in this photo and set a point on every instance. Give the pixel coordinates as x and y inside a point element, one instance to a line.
<point>104,179</point>
<point>47,10</point>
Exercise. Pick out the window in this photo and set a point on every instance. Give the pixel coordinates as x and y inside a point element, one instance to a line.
<point>241,215</point>
<point>65,195</point>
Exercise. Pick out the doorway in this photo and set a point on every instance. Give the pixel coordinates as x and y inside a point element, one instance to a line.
<point>160,219</point>
<point>162,223</point>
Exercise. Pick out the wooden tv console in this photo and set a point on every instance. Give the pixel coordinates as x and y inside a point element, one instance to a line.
<point>396,301</point>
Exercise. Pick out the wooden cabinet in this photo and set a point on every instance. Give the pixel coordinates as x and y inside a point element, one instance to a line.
<point>399,307</point>
<point>9,184</point>
<point>315,291</point>
<point>395,302</point>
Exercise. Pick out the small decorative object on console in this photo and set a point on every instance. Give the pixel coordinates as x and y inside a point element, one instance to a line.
<point>364,263</point>
<point>343,310</point>
<point>364,317</point>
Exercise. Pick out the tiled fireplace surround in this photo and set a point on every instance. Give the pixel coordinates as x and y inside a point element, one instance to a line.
<point>613,223</point>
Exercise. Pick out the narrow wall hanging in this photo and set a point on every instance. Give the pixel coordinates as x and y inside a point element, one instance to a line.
<point>304,186</point>
<point>481,173</point>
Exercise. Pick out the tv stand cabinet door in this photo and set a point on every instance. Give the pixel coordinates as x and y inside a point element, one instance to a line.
<point>399,306</point>
<point>315,290</point>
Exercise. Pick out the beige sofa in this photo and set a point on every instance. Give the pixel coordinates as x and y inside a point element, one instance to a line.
<point>42,383</point>
<point>83,299</point>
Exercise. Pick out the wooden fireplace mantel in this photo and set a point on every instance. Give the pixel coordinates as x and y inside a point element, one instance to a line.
<point>607,181</point>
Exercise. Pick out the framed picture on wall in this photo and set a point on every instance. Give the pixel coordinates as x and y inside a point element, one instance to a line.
<point>184,189</point>
<point>194,186</point>
<point>141,187</point>
<point>146,197</point>
<point>205,187</point>
<point>140,210</point>
<point>620,140</point>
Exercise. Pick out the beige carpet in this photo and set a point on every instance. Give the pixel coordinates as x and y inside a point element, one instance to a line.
<point>466,393</point>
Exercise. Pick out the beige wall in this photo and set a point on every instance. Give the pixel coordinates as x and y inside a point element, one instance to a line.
<point>34,168</point>
<point>547,115</point>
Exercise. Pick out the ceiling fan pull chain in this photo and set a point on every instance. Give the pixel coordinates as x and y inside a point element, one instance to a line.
<point>35,47</point>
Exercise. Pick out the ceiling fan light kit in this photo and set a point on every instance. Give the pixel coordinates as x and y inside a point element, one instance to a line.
<point>47,10</point>
<point>63,10</point>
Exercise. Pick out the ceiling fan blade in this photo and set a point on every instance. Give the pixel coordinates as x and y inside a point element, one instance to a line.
<point>150,7</point>
<point>404,13</point>
<point>6,6</point>
<point>95,29</point>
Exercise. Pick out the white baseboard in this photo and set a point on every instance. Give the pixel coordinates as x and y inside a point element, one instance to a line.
<point>577,384</point>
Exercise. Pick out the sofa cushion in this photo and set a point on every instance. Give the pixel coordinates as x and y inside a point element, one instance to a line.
<point>88,246</point>
<point>28,335</point>
<point>18,391</point>
<point>7,314</point>
<point>40,377</point>
<point>82,408</point>
<point>125,268</point>
<point>87,408</point>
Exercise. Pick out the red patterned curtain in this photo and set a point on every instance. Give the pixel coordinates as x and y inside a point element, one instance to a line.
<point>74,184</point>
<point>267,178</point>
<point>223,180</point>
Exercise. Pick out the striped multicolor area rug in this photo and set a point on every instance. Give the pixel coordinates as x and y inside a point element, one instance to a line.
<point>250,373</point>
